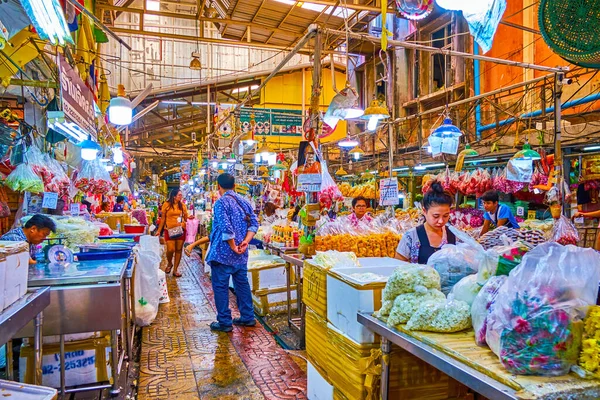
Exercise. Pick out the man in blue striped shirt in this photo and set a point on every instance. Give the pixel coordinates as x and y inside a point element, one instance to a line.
<point>234,226</point>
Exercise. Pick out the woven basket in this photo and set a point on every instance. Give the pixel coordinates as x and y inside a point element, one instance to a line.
<point>571,28</point>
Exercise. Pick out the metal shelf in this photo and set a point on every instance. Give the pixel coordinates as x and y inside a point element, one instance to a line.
<point>23,311</point>
<point>468,376</point>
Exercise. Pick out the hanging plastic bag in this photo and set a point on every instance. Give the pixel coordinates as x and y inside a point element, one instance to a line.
<point>23,179</point>
<point>535,323</point>
<point>454,262</point>
<point>147,287</point>
<point>93,178</point>
<point>329,190</point>
<point>40,164</point>
<point>60,182</point>
<point>164,291</point>
<point>564,232</point>
<point>481,306</point>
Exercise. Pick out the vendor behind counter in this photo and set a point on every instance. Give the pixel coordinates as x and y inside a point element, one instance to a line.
<point>359,211</point>
<point>418,244</point>
<point>34,232</point>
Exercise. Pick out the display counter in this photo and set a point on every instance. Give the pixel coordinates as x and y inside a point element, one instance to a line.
<point>86,297</point>
<point>459,357</point>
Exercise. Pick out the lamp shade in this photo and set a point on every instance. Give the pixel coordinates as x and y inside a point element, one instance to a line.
<point>119,111</point>
<point>341,172</point>
<point>89,150</point>
<point>195,64</point>
<point>356,153</point>
<point>447,130</point>
<point>528,153</point>
<point>265,150</point>
<point>469,152</point>
<point>348,143</point>
<point>375,112</point>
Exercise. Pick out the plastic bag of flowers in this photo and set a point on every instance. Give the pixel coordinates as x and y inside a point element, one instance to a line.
<point>482,304</point>
<point>407,304</point>
<point>535,324</point>
<point>446,317</point>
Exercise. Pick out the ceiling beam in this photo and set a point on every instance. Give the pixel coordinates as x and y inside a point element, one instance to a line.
<point>201,89</point>
<point>227,21</point>
<point>283,20</point>
<point>188,38</point>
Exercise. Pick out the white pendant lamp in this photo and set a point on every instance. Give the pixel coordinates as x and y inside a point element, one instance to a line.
<point>120,111</point>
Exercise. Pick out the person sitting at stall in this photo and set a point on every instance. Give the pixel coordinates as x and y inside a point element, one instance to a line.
<point>418,244</point>
<point>359,214</point>
<point>189,248</point>
<point>269,213</point>
<point>105,207</point>
<point>34,232</point>
<point>120,205</point>
<point>496,214</point>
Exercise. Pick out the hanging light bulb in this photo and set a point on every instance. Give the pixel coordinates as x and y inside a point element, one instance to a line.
<point>277,174</point>
<point>341,172</point>
<point>257,158</point>
<point>265,150</point>
<point>215,164</point>
<point>447,130</point>
<point>374,113</point>
<point>118,154</point>
<point>528,153</point>
<point>195,64</point>
<point>356,153</point>
<point>89,150</point>
<point>348,143</point>
<point>120,111</point>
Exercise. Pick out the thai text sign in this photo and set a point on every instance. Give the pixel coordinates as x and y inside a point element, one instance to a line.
<point>77,99</point>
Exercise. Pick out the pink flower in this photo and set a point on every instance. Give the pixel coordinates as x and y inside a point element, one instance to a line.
<point>561,346</point>
<point>522,326</point>
<point>539,360</point>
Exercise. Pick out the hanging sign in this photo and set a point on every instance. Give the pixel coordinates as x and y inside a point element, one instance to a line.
<point>450,145</point>
<point>388,192</point>
<point>50,200</point>
<point>77,99</point>
<point>272,122</point>
<point>309,183</point>
<point>75,209</point>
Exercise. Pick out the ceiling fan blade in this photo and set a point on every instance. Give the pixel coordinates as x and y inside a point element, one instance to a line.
<point>140,97</point>
<point>141,114</point>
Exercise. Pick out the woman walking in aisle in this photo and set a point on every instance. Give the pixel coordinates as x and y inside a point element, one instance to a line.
<point>173,221</point>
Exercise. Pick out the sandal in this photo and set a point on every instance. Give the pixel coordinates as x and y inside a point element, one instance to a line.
<point>177,274</point>
<point>168,270</point>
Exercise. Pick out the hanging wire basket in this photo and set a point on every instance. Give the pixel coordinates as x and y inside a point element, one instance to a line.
<point>414,9</point>
<point>571,28</point>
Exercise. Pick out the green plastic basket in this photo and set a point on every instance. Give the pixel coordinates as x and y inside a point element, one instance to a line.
<point>571,28</point>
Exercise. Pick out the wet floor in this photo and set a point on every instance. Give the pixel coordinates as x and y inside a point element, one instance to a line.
<point>182,359</point>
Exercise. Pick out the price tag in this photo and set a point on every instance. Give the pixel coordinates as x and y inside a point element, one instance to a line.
<point>536,191</point>
<point>520,211</point>
<point>50,200</point>
<point>388,192</point>
<point>579,220</point>
<point>309,183</point>
<point>75,209</point>
<point>450,145</point>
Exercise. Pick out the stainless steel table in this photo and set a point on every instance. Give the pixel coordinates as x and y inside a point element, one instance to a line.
<point>297,324</point>
<point>477,381</point>
<point>16,316</point>
<point>86,297</point>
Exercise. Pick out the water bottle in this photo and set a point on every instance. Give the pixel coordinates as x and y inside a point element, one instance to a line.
<point>119,225</point>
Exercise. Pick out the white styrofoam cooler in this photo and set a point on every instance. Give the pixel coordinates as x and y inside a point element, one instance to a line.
<point>14,271</point>
<point>318,387</point>
<point>346,296</point>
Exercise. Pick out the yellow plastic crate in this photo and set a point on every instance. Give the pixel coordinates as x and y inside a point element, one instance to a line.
<point>317,342</point>
<point>314,288</point>
<point>354,371</point>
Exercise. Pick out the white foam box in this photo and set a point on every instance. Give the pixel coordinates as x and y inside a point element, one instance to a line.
<point>346,296</point>
<point>266,272</point>
<point>20,391</point>
<point>318,387</point>
<point>14,271</point>
<point>86,362</point>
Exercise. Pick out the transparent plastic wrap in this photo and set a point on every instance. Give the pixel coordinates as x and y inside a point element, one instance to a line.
<point>60,182</point>
<point>466,289</point>
<point>40,164</point>
<point>93,178</point>
<point>407,304</point>
<point>445,317</point>
<point>410,278</point>
<point>534,325</point>
<point>23,179</point>
<point>335,259</point>
<point>454,262</point>
<point>481,306</point>
<point>564,232</point>
<point>330,192</point>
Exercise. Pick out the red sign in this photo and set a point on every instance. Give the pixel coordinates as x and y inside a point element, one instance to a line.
<point>77,99</point>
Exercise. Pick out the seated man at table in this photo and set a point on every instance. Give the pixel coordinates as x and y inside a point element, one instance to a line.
<point>34,232</point>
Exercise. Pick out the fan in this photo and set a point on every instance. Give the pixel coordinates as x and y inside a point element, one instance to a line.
<point>572,30</point>
<point>414,9</point>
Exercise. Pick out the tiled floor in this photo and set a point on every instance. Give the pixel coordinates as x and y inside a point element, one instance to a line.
<point>182,359</point>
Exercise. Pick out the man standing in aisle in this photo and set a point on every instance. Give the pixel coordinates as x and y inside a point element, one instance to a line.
<point>234,226</point>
